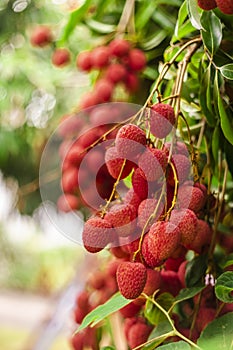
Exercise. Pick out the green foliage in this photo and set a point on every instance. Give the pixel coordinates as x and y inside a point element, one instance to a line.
<point>195,271</point>
<point>180,345</point>
<point>224,287</point>
<point>153,313</point>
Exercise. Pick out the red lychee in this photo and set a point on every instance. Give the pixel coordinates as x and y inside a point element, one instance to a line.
<point>146,209</point>
<point>202,238</point>
<point>226,6</point>
<point>186,221</point>
<point>153,163</point>
<point>183,168</point>
<point>190,197</point>
<point>104,89</point>
<point>114,164</point>
<point>140,184</point>
<point>153,281</point>
<point>119,47</point>
<point>69,181</point>
<point>138,334</point>
<point>82,300</point>
<point>115,73</point>
<point>150,260</point>
<point>68,202</point>
<point>130,141</point>
<point>132,198</point>
<point>170,282</point>
<point>131,82</point>
<point>163,239</point>
<point>89,99</point>
<point>130,310</point>
<point>100,57</point>
<point>162,119</point>
<point>61,57</point>
<point>207,4</point>
<point>84,61</point>
<point>41,36</point>
<point>136,60</point>
<point>122,218</point>
<point>204,317</point>
<point>131,279</point>
<point>97,233</point>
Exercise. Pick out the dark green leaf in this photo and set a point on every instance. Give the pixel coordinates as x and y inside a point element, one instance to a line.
<point>204,86</point>
<point>218,334</point>
<point>182,15</point>
<point>227,261</point>
<point>159,332</point>
<point>224,287</point>
<point>180,345</point>
<point>227,71</point>
<point>75,17</point>
<point>143,14</point>
<point>225,120</point>
<point>211,32</point>
<point>228,148</point>
<point>194,14</point>
<point>188,293</point>
<point>101,312</point>
<point>216,141</point>
<point>195,271</point>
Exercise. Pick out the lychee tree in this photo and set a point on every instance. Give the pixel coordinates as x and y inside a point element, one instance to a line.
<point>146,156</point>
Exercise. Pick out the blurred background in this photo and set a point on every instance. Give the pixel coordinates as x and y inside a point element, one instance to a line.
<point>40,270</point>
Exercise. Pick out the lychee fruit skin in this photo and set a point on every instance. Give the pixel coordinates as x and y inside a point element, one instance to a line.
<point>61,57</point>
<point>130,141</point>
<point>119,47</point>
<point>150,260</point>
<point>139,183</point>
<point>162,119</point>
<point>115,73</point>
<point>114,164</point>
<point>97,233</point>
<point>153,282</point>
<point>207,4</point>
<point>186,220</point>
<point>132,198</point>
<point>100,57</point>
<point>163,239</point>
<point>122,218</point>
<point>225,6</point>
<point>202,238</point>
<point>153,163</point>
<point>204,317</point>
<point>131,279</point>
<point>130,310</point>
<point>170,282</point>
<point>138,334</point>
<point>83,61</point>
<point>183,168</point>
<point>68,202</point>
<point>146,209</point>
<point>41,36</point>
<point>190,197</point>
<point>104,89</point>
<point>136,60</point>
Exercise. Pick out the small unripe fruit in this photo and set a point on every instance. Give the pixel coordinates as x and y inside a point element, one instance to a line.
<point>136,60</point>
<point>83,61</point>
<point>60,57</point>
<point>162,119</point>
<point>226,6</point>
<point>207,4</point>
<point>41,36</point>
<point>119,47</point>
<point>131,279</point>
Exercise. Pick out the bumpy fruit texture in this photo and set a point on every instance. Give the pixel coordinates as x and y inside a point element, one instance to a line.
<point>122,218</point>
<point>97,233</point>
<point>139,183</point>
<point>146,208</point>
<point>153,163</point>
<point>149,258</point>
<point>163,239</point>
<point>207,4</point>
<point>41,36</point>
<point>138,334</point>
<point>60,57</point>
<point>226,6</point>
<point>202,238</point>
<point>131,279</point>
<point>130,141</point>
<point>190,197</point>
<point>162,119</point>
<point>153,282</point>
<point>132,198</point>
<point>186,221</point>
<point>115,163</point>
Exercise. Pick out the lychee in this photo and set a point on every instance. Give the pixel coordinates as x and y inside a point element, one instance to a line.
<point>170,282</point>
<point>97,233</point>
<point>186,221</point>
<point>163,239</point>
<point>138,334</point>
<point>84,61</point>
<point>130,310</point>
<point>104,89</point>
<point>207,4</point>
<point>61,57</point>
<point>68,202</point>
<point>204,317</point>
<point>136,60</point>
<point>130,141</point>
<point>100,57</point>
<point>202,238</point>
<point>115,73</point>
<point>153,163</point>
<point>119,47</point>
<point>226,6</point>
<point>162,119</point>
<point>131,279</point>
<point>41,36</point>
<point>131,197</point>
<point>140,184</point>
<point>190,197</point>
<point>183,168</point>
<point>153,281</point>
<point>150,260</point>
<point>146,208</point>
<point>122,218</point>
<point>115,163</point>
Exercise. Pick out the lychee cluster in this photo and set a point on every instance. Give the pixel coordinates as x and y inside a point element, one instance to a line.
<point>225,6</point>
<point>118,63</point>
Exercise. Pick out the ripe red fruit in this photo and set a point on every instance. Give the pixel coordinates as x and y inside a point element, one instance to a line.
<point>60,57</point>
<point>150,259</point>
<point>131,279</point>
<point>153,282</point>
<point>82,300</point>
<point>130,141</point>
<point>153,163</point>
<point>114,164</point>
<point>83,60</point>
<point>163,239</point>
<point>207,4</point>
<point>68,202</point>
<point>190,197</point>
<point>77,341</point>
<point>162,119</point>
<point>97,233</point>
<point>202,238</point>
<point>115,73</point>
<point>170,282</point>
<point>69,181</point>
<point>119,47</point>
<point>183,167</point>
<point>136,60</point>
<point>131,82</point>
<point>130,310</point>
<point>100,57</point>
<point>97,280</point>
<point>41,36</point>
<point>146,209</point>
<point>138,334</point>
<point>226,6</point>
<point>186,221</point>
<point>204,317</point>
<point>132,198</point>
<point>140,185</point>
<point>89,99</point>
<point>122,218</point>
<point>104,89</point>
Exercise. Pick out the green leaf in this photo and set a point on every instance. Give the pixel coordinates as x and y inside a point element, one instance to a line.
<point>180,345</point>
<point>216,143</point>
<point>160,332</point>
<point>152,313</point>
<point>155,40</point>
<point>194,14</point>
<point>211,32</point>
<point>228,148</point>
<point>205,101</point>
<point>227,71</point>
<point>101,312</point>
<point>195,271</point>
<point>108,348</point>
<point>75,17</point>
<point>100,27</point>
<point>227,261</point>
<point>218,334</point>
<point>188,293</point>
<point>224,287</point>
<point>182,15</point>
